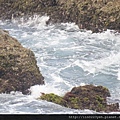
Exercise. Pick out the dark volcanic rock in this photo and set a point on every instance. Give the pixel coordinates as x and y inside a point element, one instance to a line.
<point>84,97</point>
<point>18,69</point>
<point>95,15</point>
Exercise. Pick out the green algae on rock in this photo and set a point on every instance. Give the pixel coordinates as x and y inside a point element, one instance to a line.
<point>18,69</point>
<point>53,98</point>
<point>84,97</point>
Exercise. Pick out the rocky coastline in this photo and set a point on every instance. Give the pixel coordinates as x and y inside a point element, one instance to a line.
<point>18,69</point>
<point>84,97</point>
<point>95,15</point>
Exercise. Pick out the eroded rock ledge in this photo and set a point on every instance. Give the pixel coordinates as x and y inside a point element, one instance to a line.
<point>18,69</point>
<point>95,15</point>
<point>84,97</point>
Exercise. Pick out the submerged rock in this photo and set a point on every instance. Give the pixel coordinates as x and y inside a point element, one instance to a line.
<point>95,15</point>
<point>84,97</point>
<point>18,69</point>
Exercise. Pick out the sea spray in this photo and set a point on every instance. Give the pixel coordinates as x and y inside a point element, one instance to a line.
<point>67,57</point>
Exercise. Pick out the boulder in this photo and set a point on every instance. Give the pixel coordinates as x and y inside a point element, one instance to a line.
<point>18,69</point>
<point>84,97</point>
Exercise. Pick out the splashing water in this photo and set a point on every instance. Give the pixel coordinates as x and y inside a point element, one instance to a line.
<point>66,57</point>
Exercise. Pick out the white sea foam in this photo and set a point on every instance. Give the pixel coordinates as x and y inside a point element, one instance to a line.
<point>35,21</point>
<point>118,74</point>
<point>99,65</point>
<point>67,57</point>
<point>48,88</point>
<point>37,90</point>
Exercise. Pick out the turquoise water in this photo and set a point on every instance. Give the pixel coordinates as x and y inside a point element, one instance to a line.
<point>67,57</point>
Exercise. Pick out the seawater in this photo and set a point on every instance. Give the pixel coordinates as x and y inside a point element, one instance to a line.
<point>67,57</point>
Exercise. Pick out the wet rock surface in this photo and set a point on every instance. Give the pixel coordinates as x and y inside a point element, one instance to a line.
<point>18,66</point>
<point>84,97</point>
<point>95,15</point>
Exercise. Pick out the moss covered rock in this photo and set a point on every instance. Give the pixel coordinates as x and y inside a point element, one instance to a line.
<point>18,69</point>
<point>84,97</point>
<point>53,98</point>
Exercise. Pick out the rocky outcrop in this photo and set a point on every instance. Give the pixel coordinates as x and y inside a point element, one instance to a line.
<point>18,69</point>
<point>95,15</point>
<point>84,97</point>
<point>15,8</point>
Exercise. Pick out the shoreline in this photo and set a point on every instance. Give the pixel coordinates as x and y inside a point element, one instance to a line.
<point>95,15</point>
